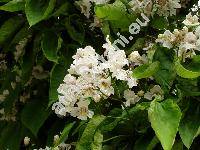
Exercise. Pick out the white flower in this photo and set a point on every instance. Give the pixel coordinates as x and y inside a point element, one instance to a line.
<point>64,146</point>
<point>39,73</point>
<point>166,7</point>
<point>2,97</point>
<point>130,80</point>
<point>131,97</point>
<point>70,79</point>
<point>190,37</point>
<point>46,148</point>
<point>161,7</point>
<point>197,31</point>
<point>18,79</point>
<point>100,1</point>
<point>84,61</point>
<point>186,50</point>
<point>137,59</point>
<point>56,138</point>
<point>59,108</point>
<point>135,56</point>
<point>97,23</point>
<point>2,111</point>
<point>61,146</point>
<point>173,5</point>
<point>155,91</point>
<point>82,111</point>
<point>116,60</point>
<point>119,74</point>
<point>5,92</point>
<point>26,141</point>
<point>198,44</point>
<point>166,39</point>
<point>105,86</point>
<point>85,6</point>
<point>137,5</point>
<point>191,20</point>
<point>140,93</point>
<point>148,95</point>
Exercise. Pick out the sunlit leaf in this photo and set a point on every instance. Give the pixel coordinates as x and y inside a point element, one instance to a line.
<point>89,132</point>
<point>165,118</point>
<point>146,70</point>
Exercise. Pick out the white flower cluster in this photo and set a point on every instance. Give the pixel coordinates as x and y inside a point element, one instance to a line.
<point>61,146</point>
<point>185,41</point>
<point>90,78</point>
<point>160,7</point>
<point>131,97</point>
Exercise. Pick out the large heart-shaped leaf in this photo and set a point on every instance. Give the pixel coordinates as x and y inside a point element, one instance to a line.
<point>165,118</point>
<point>37,10</point>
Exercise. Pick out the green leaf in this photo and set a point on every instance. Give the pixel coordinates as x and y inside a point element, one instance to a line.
<point>63,9</point>
<point>9,28</point>
<point>98,139</point>
<point>178,145</point>
<point>57,75</point>
<point>153,143</point>
<point>111,122</point>
<point>50,46</point>
<point>59,71</point>
<point>141,144</point>
<point>10,137</point>
<point>159,22</point>
<point>24,33</point>
<point>137,46</point>
<point>188,87</point>
<point>88,134</point>
<point>34,115</point>
<point>165,118</point>
<point>146,70</point>
<point>181,71</point>
<point>105,28</point>
<point>190,124</point>
<point>166,74</point>
<point>38,10</point>
<point>64,134</point>
<point>4,1</point>
<point>116,13</point>
<point>14,5</point>
<point>146,143</point>
<point>29,60</point>
<point>75,28</point>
